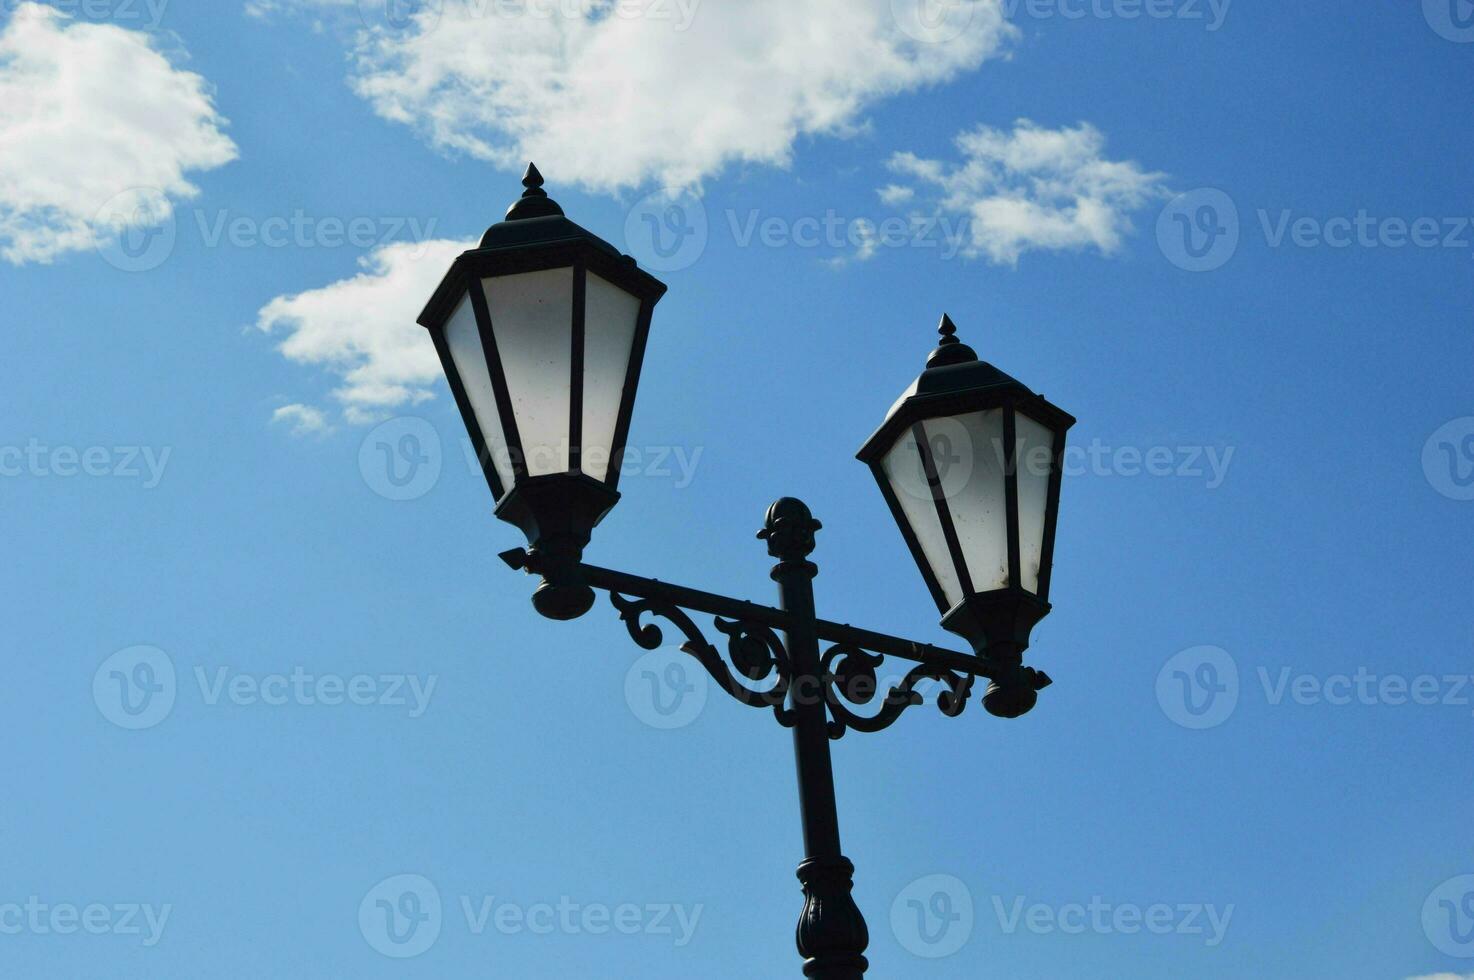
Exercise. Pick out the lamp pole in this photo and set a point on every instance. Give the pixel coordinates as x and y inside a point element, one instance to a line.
<point>541,331</point>
<point>831,931</point>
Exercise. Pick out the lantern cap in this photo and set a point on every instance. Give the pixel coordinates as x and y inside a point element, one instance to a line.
<point>950,350</point>
<point>955,382</point>
<point>536,235</point>
<point>536,219</point>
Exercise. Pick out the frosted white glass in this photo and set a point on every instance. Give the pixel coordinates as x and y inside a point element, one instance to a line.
<point>1035,455</point>
<point>610,318</point>
<point>903,470</point>
<point>532,321</point>
<point>978,503</point>
<point>464,341</point>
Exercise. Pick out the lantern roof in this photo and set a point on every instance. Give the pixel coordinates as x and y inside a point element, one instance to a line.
<point>536,219</point>
<point>955,382</point>
<point>536,234</point>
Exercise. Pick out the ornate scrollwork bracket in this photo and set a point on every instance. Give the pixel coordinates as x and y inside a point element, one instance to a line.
<point>850,678</point>
<point>754,651</point>
<point>756,655</point>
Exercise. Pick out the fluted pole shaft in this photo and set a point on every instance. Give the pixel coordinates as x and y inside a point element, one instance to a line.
<point>831,935</point>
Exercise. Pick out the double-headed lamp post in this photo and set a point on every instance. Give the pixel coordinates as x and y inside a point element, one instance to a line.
<point>541,331</point>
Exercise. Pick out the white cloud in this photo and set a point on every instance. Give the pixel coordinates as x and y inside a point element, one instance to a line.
<point>894,195</point>
<point>363,329</point>
<point>1444,976</point>
<point>1035,188</point>
<point>304,419</point>
<point>612,95</point>
<point>97,132</point>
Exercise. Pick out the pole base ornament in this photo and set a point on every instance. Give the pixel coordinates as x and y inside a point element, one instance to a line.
<point>832,935</point>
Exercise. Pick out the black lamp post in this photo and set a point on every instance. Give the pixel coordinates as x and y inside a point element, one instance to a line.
<point>541,331</point>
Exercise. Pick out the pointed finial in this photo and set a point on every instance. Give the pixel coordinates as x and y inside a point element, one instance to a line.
<point>950,350</point>
<point>534,202</point>
<point>948,330</point>
<point>533,181</point>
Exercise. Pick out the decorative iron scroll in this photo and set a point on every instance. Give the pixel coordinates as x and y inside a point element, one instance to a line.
<point>756,654</point>
<point>754,650</point>
<point>849,676</point>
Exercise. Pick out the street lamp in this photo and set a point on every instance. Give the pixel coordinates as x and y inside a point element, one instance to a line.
<point>541,331</point>
<point>969,461</point>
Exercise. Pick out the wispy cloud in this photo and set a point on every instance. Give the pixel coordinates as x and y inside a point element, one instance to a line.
<point>304,420</point>
<point>362,330</point>
<point>97,132</point>
<point>1032,189</point>
<point>894,195</point>
<point>613,96</point>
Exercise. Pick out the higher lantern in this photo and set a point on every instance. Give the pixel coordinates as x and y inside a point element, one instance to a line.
<point>969,461</point>
<point>541,331</point>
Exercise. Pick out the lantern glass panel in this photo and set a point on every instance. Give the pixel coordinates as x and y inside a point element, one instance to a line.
<point>532,321</point>
<point>1035,461</point>
<point>913,492</point>
<point>463,338</point>
<point>610,317</point>
<point>969,458</point>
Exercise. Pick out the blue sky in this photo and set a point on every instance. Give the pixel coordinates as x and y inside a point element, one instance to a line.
<point>1234,240</point>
